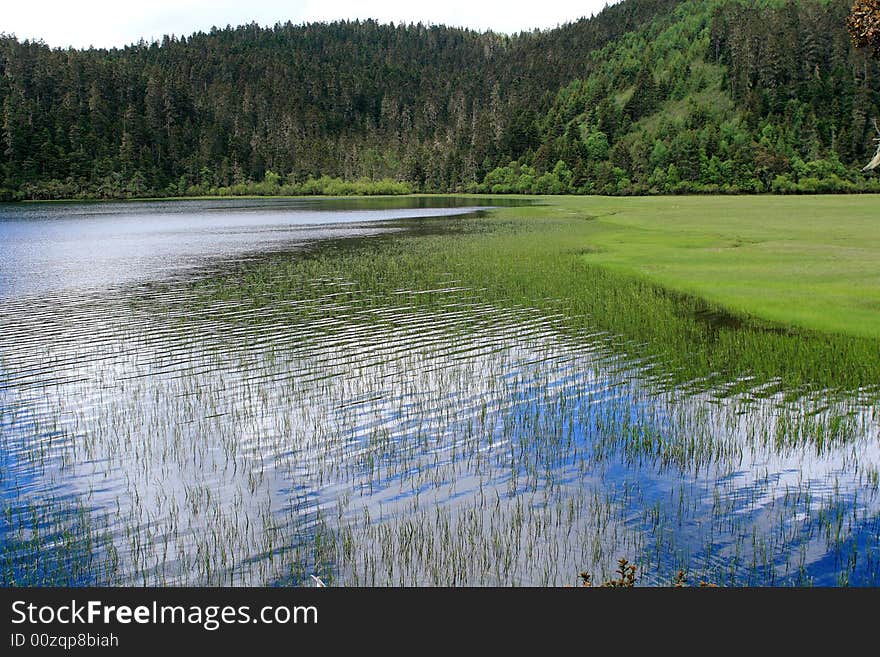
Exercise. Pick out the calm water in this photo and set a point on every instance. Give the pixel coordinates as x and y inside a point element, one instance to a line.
<point>156,433</point>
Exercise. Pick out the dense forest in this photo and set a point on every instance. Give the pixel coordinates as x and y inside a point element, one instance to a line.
<point>649,96</point>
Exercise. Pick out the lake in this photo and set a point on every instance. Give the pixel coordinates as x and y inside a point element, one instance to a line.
<point>252,392</point>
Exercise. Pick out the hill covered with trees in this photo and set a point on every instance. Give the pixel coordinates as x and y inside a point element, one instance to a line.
<point>649,96</point>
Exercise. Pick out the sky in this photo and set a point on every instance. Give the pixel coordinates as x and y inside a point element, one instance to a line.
<point>116,23</point>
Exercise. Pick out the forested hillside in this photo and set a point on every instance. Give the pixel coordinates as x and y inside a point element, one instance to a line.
<point>650,96</point>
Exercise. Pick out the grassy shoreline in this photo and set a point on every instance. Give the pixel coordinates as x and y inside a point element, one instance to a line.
<point>550,257</point>
<point>798,262</point>
<point>808,263</point>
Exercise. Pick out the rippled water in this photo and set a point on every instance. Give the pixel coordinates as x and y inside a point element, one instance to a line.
<point>153,433</point>
<point>47,248</point>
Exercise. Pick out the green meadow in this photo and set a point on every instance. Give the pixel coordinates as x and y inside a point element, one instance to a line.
<point>806,262</point>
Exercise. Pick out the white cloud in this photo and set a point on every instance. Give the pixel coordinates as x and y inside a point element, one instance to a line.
<point>109,23</point>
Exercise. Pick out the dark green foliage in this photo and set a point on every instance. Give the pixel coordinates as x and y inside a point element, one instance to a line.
<point>650,96</point>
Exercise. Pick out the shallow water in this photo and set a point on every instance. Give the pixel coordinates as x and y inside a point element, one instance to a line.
<point>156,434</point>
<point>50,247</point>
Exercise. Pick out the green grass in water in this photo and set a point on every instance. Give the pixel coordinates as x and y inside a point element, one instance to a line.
<point>735,290</point>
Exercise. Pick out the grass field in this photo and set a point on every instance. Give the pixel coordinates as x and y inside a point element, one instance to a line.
<point>806,261</point>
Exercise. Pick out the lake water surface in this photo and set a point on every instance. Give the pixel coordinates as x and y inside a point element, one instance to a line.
<point>156,431</point>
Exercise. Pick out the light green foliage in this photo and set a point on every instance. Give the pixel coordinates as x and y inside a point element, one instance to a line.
<point>323,186</point>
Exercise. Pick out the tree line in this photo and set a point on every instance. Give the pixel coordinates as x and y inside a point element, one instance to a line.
<point>649,96</point>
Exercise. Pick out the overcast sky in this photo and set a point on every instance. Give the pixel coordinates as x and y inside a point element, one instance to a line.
<point>108,23</point>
